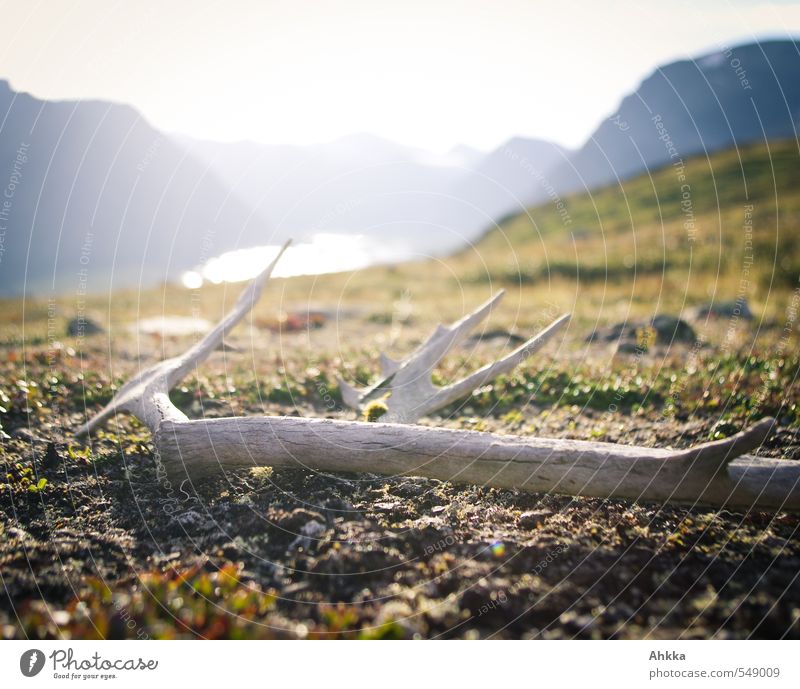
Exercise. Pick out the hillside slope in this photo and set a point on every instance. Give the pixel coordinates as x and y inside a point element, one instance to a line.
<point>746,94</point>
<point>723,227</point>
<point>91,186</point>
<point>363,184</point>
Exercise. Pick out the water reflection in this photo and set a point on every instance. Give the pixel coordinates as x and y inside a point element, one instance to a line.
<point>324,253</point>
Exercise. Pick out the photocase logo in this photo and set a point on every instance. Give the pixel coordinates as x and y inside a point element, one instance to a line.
<point>31,662</point>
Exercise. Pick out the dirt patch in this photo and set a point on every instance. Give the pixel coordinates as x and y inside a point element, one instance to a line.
<point>102,548</point>
<point>349,555</point>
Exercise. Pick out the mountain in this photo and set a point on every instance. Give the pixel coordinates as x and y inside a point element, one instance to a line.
<point>634,236</point>
<point>363,184</point>
<point>504,182</point>
<point>360,184</point>
<point>95,198</point>
<point>366,185</point>
<point>99,199</point>
<point>466,156</point>
<point>746,94</point>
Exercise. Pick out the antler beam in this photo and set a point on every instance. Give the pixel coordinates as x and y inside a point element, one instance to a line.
<point>707,474</point>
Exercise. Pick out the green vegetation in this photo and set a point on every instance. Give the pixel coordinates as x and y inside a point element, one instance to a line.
<point>374,410</point>
<point>687,225</point>
<point>22,478</point>
<point>620,254</point>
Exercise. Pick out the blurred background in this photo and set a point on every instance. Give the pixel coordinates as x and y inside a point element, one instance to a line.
<point>154,142</point>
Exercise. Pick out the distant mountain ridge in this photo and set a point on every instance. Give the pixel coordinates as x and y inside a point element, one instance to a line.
<point>727,98</point>
<point>364,184</point>
<point>504,182</point>
<point>103,200</point>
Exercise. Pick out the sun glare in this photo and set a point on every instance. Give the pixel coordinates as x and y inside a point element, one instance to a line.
<point>324,253</point>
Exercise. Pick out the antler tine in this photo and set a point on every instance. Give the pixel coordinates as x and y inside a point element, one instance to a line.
<point>350,395</point>
<point>213,339</point>
<point>156,381</point>
<point>444,338</point>
<point>463,387</point>
<point>411,393</point>
<point>417,366</point>
<point>388,365</point>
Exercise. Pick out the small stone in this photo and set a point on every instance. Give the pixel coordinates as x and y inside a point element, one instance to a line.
<point>668,330</point>
<point>309,533</point>
<point>189,519</point>
<point>628,347</point>
<point>61,617</point>
<point>534,518</point>
<point>725,309</point>
<point>297,518</point>
<point>81,327</point>
<point>23,433</point>
<point>51,457</point>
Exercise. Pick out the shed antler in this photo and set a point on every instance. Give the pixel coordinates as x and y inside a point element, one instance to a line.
<point>704,474</point>
<point>406,385</point>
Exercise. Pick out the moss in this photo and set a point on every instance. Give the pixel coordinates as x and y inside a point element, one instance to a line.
<point>375,410</point>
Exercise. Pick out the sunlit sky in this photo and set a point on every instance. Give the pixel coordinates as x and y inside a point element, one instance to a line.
<point>430,73</point>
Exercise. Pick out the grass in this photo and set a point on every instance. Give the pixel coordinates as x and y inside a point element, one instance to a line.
<point>623,253</point>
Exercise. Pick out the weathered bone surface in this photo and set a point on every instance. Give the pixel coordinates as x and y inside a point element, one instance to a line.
<point>716,473</point>
<point>411,394</point>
